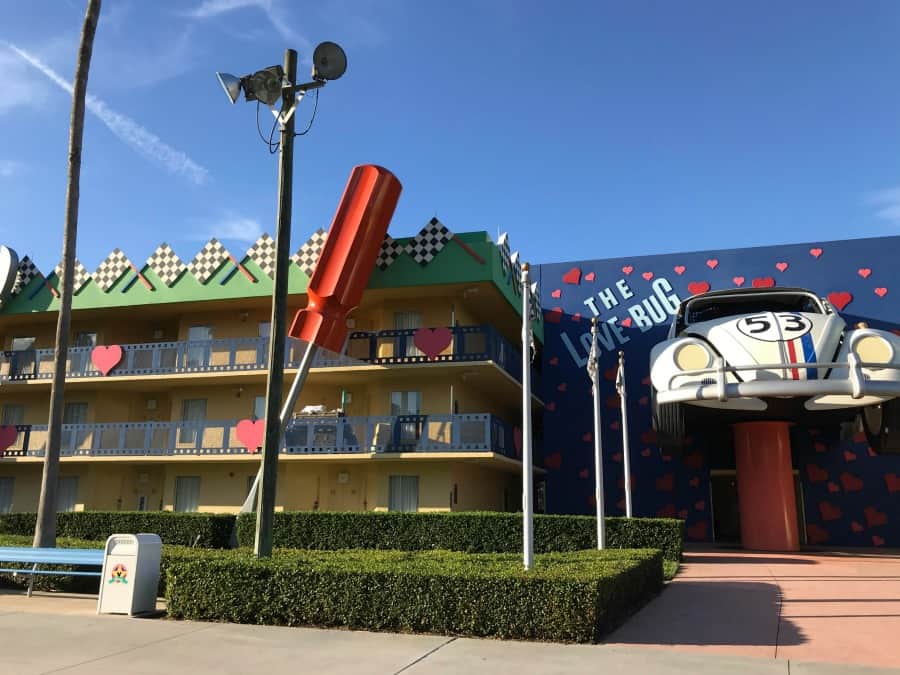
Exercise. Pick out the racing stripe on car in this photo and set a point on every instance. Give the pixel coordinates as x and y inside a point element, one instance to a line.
<point>809,354</point>
<point>792,358</point>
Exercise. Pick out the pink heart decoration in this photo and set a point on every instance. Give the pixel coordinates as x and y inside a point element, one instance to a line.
<point>626,322</point>
<point>712,263</point>
<point>856,527</point>
<point>647,276</point>
<point>554,361</point>
<point>877,541</point>
<point>590,276</point>
<point>815,252</point>
<point>556,294</point>
<point>628,269</point>
<point>8,435</point>
<point>250,433</point>
<point>881,291</point>
<point>697,287</point>
<point>738,281</point>
<point>840,299</point>
<point>763,282</point>
<point>573,276</point>
<point>576,316</point>
<point>679,269</point>
<point>781,266</point>
<point>106,358</point>
<point>432,341</point>
<point>864,272</point>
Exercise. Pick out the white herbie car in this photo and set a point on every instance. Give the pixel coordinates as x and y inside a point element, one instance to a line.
<point>773,354</point>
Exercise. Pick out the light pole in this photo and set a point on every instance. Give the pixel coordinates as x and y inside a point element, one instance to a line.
<point>268,86</point>
<point>527,468</point>
<point>593,367</point>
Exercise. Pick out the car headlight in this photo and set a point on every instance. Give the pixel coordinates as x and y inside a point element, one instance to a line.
<point>692,356</point>
<point>873,349</point>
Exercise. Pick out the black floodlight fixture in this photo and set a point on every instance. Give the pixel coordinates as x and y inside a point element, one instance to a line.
<point>264,85</point>
<point>329,62</point>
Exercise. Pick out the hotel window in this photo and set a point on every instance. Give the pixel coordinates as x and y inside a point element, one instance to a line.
<point>80,361</point>
<point>6,493</point>
<point>193,411</point>
<point>259,407</point>
<point>23,363</point>
<point>67,493</point>
<point>74,413</point>
<point>404,345</point>
<point>198,346</point>
<point>406,403</point>
<point>187,493</point>
<point>13,414</point>
<point>403,494</point>
<point>264,332</point>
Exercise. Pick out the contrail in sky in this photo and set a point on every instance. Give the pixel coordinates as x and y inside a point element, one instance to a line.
<point>126,129</point>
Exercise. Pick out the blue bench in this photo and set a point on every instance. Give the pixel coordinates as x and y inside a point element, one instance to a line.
<point>51,557</point>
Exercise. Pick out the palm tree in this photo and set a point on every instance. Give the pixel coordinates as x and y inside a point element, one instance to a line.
<point>45,528</point>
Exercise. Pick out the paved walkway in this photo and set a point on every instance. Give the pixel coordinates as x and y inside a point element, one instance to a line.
<point>835,607</point>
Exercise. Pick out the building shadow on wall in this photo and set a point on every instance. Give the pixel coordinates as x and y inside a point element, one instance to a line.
<point>743,613</point>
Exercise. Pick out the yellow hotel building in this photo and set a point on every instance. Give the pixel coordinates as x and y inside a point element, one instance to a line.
<point>168,356</point>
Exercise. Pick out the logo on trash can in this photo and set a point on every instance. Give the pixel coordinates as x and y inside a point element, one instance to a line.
<point>119,574</point>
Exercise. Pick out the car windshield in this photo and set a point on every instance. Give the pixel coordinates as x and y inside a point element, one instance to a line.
<point>708,309</point>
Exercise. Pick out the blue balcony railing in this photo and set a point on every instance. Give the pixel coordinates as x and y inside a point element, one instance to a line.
<point>387,347</point>
<point>304,435</point>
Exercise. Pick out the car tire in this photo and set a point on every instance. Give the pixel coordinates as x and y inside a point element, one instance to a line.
<point>881,423</point>
<point>668,423</point>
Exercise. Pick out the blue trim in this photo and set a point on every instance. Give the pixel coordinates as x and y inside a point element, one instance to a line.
<point>809,355</point>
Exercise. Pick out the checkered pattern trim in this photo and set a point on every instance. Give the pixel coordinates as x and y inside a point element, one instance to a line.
<point>208,260</point>
<point>166,264</point>
<point>26,272</point>
<point>263,254</point>
<point>79,279</point>
<point>429,242</point>
<point>111,270</point>
<point>535,302</point>
<point>307,255</point>
<point>505,255</point>
<point>390,251</point>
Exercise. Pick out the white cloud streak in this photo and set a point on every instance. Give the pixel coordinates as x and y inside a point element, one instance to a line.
<point>124,128</point>
<point>887,203</point>
<point>9,168</point>
<point>209,9</point>
<point>232,227</point>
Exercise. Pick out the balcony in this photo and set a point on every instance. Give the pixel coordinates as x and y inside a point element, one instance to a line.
<point>306,435</point>
<point>382,348</point>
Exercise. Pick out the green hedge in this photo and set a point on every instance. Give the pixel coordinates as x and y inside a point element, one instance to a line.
<point>470,532</point>
<point>570,597</point>
<point>208,530</point>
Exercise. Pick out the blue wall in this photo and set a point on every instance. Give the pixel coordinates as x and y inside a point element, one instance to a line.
<point>850,496</point>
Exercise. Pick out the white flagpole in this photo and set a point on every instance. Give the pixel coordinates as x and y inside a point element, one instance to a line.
<point>527,468</point>
<point>626,461</point>
<point>594,371</point>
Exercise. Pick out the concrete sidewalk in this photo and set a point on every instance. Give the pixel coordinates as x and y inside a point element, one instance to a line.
<point>56,633</point>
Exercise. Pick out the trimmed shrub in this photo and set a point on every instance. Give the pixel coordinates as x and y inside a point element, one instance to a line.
<point>569,597</point>
<point>470,532</point>
<point>209,530</point>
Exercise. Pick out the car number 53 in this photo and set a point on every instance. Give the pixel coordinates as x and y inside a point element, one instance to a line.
<point>774,327</point>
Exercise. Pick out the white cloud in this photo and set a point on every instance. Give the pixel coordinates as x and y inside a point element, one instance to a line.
<point>231,226</point>
<point>887,204</point>
<point>126,129</point>
<point>9,167</point>
<point>273,11</point>
<point>19,88</point>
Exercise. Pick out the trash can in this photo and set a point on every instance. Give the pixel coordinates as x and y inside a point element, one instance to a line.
<point>130,574</point>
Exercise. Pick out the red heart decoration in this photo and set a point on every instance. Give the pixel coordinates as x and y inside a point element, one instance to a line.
<point>820,447</point>
<point>763,282</point>
<point>106,358</point>
<point>892,481</point>
<point>646,452</point>
<point>833,487</point>
<point>829,511</point>
<point>8,436</point>
<point>583,473</point>
<point>738,281</point>
<point>666,458</point>
<point>668,511</point>
<point>694,482</point>
<point>877,541</point>
<point>874,517</point>
<point>551,406</point>
<point>816,534</point>
<point>628,269</point>
<point>864,272</point>
<point>698,287</point>
<point>517,441</point>
<point>700,505</point>
<point>697,532</point>
<point>590,276</point>
<point>432,341</point>
<point>553,461</point>
<point>881,291</point>
<point>250,433</point>
<point>573,276</point>
<point>840,299</point>
<point>646,380</point>
<point>856,527</point>
<point>694,460</point>
<point>679,269</point>
<point>851,483</point>
<point>576,316</point>
<point>816,473</point>
<point>556,294</point>
<point>554,315</point>
<point>554,361</point>
<point>666,483</point>
<point>615,426</point>
<point>647,276</point>
<point>781,266</point>
<point>562,386</point>
<point>849,456</point>
<point>643,400</point>
<point>648,437</point>
<point>815,252</point>
<point>626,322</point>
<point>612,402</point>
<point>712,263</point>
<point>616,457</point>
<point>588,437</point>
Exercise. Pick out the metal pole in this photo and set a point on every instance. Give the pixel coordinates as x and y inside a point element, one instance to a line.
<point>626,461</point>
<point>272,442</point>
<point>598,442</point>
<point>527,468</point>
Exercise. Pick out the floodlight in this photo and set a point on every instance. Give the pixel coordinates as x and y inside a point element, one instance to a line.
<point>231,85</point>
<point>264,85</point>
<point>329,61</point>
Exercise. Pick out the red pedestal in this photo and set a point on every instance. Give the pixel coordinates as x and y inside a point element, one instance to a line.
<point>765,483</point>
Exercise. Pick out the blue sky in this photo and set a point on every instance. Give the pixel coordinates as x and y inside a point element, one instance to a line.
<point>585,129</point>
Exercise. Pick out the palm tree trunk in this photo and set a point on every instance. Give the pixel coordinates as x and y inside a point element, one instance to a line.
<point>45,528</point>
